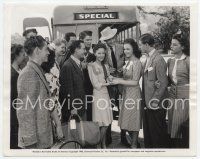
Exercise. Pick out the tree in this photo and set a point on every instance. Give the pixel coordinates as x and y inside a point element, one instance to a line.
<point>171,19</point>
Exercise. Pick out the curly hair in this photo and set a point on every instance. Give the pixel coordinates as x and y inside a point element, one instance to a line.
<point>15,51</point>
<point>98,46</point>
<point>184,42</point>
<point>46,66</point>
<point>33,42</point>
<point>134,45</point>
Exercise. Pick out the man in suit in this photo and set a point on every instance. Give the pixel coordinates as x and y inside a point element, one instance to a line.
<point>70,38</point>
<point>86,37</point>
<point>72,91</point>
<point>35,110</point>
<point>115,61</point>
<point>154,113</point>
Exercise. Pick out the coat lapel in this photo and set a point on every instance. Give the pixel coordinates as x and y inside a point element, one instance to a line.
<point>40,74</point>
<point>151,60</point>
<point>77,69</point>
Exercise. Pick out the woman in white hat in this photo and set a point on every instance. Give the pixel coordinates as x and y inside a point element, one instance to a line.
<point>115,60</point>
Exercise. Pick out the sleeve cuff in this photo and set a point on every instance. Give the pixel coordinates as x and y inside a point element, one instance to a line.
<point>28,140</point>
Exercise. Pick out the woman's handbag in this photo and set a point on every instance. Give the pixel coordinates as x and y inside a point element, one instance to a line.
<point>87,133</point>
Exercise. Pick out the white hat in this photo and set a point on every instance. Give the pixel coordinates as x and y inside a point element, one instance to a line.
<point>52,46</point>
<point>108,33</point>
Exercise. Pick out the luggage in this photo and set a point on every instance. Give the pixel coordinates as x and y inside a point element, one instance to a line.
<point>66,145</point>
<point>85,133</point>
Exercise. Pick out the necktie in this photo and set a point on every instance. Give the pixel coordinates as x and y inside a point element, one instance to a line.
<point>147,63</point>
<point>114,60</point>
<point>105,72</point>
<point>174,72</point>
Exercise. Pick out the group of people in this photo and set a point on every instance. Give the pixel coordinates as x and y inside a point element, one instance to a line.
<point>70,76</point>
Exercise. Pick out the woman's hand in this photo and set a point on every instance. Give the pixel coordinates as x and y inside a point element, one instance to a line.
<point>106,84</point>
<point>112,70</point>
<point>115,81</point>
<point>110,78</point>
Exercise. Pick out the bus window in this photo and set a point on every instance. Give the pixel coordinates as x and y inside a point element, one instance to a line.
<point>40,24</point>
<point>77,29</point>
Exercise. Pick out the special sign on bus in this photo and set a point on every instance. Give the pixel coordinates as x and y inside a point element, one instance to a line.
<point>98,15</point>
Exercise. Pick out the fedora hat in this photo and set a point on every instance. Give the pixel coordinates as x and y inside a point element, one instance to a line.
<point>107,33</point>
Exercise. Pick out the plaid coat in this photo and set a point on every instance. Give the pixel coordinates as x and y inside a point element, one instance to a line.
<point>71,89</point>
<point>34,115</point>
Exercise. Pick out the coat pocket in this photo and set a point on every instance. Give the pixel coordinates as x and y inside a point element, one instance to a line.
<point>151,75</point>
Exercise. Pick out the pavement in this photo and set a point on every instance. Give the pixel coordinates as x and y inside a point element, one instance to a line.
<point>116,143</point>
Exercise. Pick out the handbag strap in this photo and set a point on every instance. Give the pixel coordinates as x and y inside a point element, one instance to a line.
<point>82,135</point>
<point>72,115</point>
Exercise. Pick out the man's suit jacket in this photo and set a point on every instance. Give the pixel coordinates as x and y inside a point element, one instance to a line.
<point>87,83</point>
<point>72,87</point>
<point>13,114</point>
<point>156,72</point>
<point>34,114</point>
<point>119,54</point>
<point>64,58</point>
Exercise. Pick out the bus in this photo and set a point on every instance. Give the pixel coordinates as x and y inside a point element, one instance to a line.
<point>95,18</point>
<point>40,24</point>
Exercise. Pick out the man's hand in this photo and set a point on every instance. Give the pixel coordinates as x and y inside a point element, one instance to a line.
<point>59,132</point>
<point>31,146</point>
<point>74,111</point>
<point>154,105</point>
<point>84,65</point>
<point>157,84</point>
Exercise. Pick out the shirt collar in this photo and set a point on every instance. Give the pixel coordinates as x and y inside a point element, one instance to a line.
<point>39,66</point>
<point>91,50</point>
<point>151,52</point>
<point>183,56</point>
<point>78,62</point>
